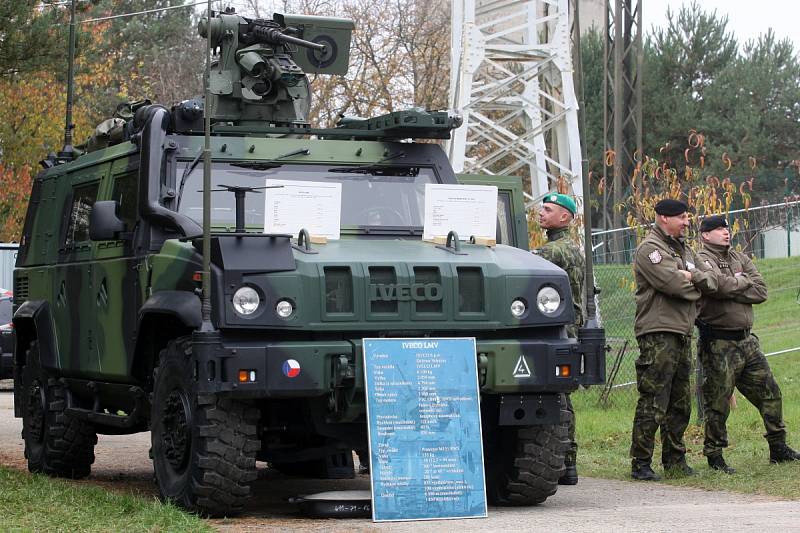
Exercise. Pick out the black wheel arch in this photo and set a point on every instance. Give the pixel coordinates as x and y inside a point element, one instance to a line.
<point>33,321</point>
<point>165,316</point>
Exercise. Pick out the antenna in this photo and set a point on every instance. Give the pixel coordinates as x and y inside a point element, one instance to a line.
<point>205,307</point>
<point>68,152</point>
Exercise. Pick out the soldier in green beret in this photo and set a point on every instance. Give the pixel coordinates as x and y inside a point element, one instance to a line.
<point>555,216</point>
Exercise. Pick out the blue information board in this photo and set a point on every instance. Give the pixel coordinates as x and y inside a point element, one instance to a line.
<point>426,453</point>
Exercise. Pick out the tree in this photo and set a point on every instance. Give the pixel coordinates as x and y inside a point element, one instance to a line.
<point>156,55</point>
<point>30,37</point>
<point>16,187</point>
<point>754,114</point>
<point>592,62</point>
<point>681,61</point>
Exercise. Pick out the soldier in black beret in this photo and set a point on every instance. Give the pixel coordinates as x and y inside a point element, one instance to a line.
<point>729,353</point>
<point>713,222</point>
<point>664,268</point>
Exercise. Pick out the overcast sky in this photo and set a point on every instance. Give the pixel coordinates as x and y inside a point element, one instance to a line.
<point>746,18</point>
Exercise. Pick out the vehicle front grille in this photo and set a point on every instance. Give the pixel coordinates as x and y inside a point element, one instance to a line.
<point>426,275</point>
<point>404,293</point>
<point>470,290</point>
<point>338,290</point>
<point>382,275</point>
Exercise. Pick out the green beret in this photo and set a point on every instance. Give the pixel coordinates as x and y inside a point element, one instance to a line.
<point>561,199</point>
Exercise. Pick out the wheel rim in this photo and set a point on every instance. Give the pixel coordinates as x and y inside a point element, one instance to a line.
<point>35,412</point>
<point>176,433</point>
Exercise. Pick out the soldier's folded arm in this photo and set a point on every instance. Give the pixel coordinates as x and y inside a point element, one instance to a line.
<point>715,284</point>
<point>756,293</point>
<point>664,273</point>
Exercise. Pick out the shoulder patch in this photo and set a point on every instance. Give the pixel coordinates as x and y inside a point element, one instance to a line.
<point>655,257</point>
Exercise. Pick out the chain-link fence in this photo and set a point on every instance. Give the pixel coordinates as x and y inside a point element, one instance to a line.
<point>770,234</point>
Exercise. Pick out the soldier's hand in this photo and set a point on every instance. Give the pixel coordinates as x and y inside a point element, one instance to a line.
<point>686,274</point>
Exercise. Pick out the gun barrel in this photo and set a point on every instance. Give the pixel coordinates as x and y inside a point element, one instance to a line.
<point>274,35</point>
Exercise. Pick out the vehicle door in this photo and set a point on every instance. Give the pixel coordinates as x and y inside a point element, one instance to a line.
<point>72,306</point>
<point>117,278</point>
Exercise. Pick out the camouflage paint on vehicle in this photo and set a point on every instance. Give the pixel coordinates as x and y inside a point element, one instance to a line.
<point>107,291</point>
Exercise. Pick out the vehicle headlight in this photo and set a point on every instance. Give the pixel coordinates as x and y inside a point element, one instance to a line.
<point>246,301</point>
<point>284,308</point>
<point>518,308</point>
<point>548,300</point>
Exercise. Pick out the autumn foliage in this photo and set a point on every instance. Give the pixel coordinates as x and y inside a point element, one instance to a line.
<point>705,193</point>
<point>16,187</point>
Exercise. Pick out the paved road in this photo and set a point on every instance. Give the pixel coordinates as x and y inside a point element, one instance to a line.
<point>595,505</point>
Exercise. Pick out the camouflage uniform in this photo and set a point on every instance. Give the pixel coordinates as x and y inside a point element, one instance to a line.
<point>563,252</point>
<point>665,312</point>
<point>729,354</point>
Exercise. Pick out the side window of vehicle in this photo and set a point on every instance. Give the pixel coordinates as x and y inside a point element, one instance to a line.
<point>83,198</point>
<point>126,189</point>
<point>505,226</point>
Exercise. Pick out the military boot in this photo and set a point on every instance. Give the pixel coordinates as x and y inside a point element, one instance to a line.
<point>643,472</point>
<point>779,452</point>
<point>717,462</point>
<point>570,475</point>
<point>678,470</point>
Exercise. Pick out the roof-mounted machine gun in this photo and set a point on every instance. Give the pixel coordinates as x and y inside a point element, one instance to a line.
<point>260,74</point>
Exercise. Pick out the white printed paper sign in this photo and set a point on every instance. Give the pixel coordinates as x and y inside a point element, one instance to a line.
<point>469,210</point>
<point>315,206</point>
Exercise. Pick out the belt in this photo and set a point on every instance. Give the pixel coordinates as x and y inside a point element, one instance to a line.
<point>712,334</point>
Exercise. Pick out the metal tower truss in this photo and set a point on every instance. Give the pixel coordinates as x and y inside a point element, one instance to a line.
<point>622,93</point>
<point>512,81</point>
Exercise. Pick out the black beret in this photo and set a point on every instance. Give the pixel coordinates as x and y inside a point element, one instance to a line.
<point>671,208</point>
<point>713,222</point>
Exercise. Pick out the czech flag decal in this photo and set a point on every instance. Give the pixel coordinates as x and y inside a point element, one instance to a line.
<point>291,368</point>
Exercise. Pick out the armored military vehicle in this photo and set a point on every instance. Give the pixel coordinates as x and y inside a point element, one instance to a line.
<point>111,336</point>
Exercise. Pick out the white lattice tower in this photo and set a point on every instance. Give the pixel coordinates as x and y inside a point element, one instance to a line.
<point>512,82</point>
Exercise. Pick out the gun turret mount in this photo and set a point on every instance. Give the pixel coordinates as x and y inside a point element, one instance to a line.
<point>260,74</point>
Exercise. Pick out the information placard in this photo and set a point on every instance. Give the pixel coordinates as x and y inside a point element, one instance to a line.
<point>469,210</point>
<point>295,205</point>
<point>426,453</point>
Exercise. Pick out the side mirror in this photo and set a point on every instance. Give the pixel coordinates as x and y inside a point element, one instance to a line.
<point>104,222</point>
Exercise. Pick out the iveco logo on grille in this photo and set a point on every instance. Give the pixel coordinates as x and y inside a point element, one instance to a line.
<point>419,292</point>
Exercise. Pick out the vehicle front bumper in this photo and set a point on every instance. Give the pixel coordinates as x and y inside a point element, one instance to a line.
<point>300,369</point>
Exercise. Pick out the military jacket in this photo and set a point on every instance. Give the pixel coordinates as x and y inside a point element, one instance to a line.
<point>665,300</point>
<point>739,285</point>
<point>562,252</point>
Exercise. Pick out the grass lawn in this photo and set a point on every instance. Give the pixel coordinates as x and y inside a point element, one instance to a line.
<point>38,503</point>
<point>603,433</point>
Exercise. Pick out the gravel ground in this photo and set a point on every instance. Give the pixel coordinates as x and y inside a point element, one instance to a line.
<point>595,505</point>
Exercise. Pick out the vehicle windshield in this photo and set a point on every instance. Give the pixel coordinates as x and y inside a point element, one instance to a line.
<point>372,196</point>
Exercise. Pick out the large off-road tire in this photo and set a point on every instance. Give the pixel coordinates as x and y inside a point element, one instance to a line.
<point>523,463</point>
<point>203,445</point>
<point>56,444</point>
